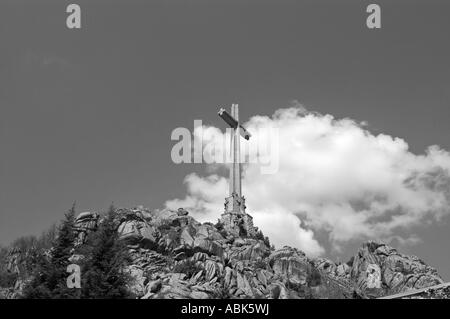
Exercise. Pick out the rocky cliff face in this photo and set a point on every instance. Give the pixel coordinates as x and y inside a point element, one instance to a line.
<point>174,256</point>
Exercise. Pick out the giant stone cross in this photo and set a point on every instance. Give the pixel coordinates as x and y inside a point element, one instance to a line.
<point>235,219</point>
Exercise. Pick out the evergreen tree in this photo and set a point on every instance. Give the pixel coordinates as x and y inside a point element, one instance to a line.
<point>103,275</point>
<point>64,243</point>
<point>44,280</point>
<point>63,249</point>
<point>49,276</point>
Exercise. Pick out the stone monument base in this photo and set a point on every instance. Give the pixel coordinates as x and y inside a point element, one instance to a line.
<point>238,224</point>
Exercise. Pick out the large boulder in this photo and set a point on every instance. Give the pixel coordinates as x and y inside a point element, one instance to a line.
<point>189,238</point>
<point>325,265</point>
<point>167,218</point>
<point>138,280</point>
<point>136,230</point>
<point>248,249</point>
<point>330,268</point>
<point>279,291</point>
<point>379,269</point>
<point>85,223</point>
<point>290,264</point>
<point>207,245</point>
<point>202,238</point>
<point>343,270</point>
<point>181,233</point>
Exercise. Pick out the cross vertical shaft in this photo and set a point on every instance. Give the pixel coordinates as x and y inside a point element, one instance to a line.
<point>235,220</point>
<point>235,167</point>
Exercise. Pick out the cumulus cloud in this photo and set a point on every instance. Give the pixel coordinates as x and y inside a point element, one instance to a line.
<point>334,177</point>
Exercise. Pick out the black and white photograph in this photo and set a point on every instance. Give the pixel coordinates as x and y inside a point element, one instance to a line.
<point>235,155</point>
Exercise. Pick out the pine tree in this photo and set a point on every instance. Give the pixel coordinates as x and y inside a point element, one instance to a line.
<point>64,243</point>
<point>103,275</point>
<point>63,249</point>
<point>44,280</point>
<point>49,276</point>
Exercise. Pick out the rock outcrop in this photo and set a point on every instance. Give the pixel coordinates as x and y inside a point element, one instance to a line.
<point>84,224</point>
<point>136,230</point>
<point>379,269</point>
<point>188,259</point>
<point>171,255</point>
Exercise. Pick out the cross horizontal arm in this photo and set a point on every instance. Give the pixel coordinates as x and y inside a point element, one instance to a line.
<point>244,133</point>
<point>228,118</point>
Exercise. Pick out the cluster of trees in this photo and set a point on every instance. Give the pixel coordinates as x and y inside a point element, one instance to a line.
<point>26,247</point>
<point>7,279</point>
<point>265,239</point>
<point>102,260</point>
<point>44,241</point>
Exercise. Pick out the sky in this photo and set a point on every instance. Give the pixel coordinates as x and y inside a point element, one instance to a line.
<point>87,115</point>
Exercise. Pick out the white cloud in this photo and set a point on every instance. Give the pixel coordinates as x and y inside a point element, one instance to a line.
<point>334,176</point>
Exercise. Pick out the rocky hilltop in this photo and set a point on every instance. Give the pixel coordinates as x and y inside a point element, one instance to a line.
<point>174,256</point>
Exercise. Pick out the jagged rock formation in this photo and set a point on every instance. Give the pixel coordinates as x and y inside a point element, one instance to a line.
<point>174,256</point>
<point>379,269</point>
<point>177,257</point>
<point>84,223</point>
